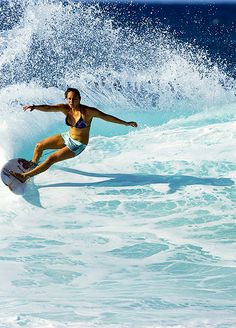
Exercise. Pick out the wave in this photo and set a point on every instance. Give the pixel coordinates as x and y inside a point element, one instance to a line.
<point>54,44</point>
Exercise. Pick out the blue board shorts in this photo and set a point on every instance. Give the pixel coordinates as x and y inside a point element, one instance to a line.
<point>74,145</point>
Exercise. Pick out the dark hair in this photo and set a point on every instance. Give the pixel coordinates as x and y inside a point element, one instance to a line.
<point>76,91</point>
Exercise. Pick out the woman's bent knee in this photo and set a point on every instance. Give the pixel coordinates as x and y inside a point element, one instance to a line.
<point>39,146</point>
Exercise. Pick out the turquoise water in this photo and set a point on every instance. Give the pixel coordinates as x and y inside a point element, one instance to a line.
<point>139,230</point>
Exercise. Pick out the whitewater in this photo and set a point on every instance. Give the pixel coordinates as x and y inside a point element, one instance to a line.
<point>139,230</point>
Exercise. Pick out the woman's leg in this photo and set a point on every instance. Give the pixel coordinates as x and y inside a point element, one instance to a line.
<point>60,155</point>
<point>54,142</point>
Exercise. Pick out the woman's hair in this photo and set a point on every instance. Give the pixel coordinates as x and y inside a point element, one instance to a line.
<point>76,91</point>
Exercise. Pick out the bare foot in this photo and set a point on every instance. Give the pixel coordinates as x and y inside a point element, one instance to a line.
<point>19,176</point>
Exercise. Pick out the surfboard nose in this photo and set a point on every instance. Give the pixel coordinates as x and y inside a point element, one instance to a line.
<point>15,165</point>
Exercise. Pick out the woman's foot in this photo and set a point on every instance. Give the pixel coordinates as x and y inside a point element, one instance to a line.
<point>19,176</point>
<point>32,165</point>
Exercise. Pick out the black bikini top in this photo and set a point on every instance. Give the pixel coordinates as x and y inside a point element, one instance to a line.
<point>80,124</point>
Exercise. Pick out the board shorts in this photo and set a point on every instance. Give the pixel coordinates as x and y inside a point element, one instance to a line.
<point>74,145</point>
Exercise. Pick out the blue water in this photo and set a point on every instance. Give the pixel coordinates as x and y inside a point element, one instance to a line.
<point>139,230</point>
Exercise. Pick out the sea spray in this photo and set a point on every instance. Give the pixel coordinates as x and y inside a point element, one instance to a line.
<point>76,44</point>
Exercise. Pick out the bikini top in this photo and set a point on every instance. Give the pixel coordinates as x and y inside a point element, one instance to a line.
<point>80,124</point>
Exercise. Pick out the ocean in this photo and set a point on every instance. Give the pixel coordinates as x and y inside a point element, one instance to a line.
<point>139,230</point>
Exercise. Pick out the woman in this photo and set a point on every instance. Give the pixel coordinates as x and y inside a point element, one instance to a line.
<point>69,144</point>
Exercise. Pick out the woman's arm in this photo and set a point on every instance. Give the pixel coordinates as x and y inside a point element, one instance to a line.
<point>110,118</point>
<point>47,108</point>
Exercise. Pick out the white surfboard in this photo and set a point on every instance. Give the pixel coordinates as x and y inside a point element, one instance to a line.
<point>18,165</point>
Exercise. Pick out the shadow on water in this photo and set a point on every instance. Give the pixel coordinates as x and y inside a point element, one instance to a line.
<point>32,195</point>
<point>175,182</point>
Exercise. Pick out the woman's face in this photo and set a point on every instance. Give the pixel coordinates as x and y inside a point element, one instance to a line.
<point>73,100</point>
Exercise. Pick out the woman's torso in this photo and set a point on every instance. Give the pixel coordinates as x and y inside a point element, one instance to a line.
<point>79,122</point>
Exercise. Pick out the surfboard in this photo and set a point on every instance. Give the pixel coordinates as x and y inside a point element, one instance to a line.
<point>19,165</point>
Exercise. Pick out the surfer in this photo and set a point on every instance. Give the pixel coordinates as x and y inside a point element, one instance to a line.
<point>68,144</point>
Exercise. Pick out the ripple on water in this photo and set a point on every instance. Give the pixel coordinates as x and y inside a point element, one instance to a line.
<point>139,251</point>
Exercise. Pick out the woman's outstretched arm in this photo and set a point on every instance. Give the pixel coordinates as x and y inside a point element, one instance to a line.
<point>110,118</point>
<point>47,108</point>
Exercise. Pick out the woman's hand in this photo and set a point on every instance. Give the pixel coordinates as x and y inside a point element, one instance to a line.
<point>30,107</point>
<point>133,124</point>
